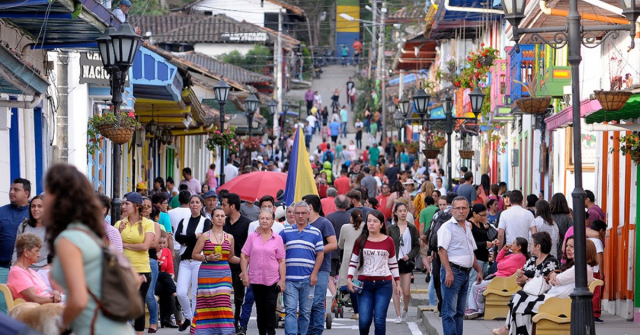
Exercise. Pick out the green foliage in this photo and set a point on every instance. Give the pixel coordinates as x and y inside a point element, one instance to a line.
<point>221,138</point>
<point>629,145</point>
<point>107,119</point>
<point>364,99</point>
<point>147,7</point>
<point>255,60</point>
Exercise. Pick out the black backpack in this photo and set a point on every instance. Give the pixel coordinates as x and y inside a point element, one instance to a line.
<point>432,233</point>
<point>328,157</point>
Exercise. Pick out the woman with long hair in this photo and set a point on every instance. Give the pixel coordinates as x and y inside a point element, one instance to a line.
<point>479,229</point>
<point>151,213</point>
<point>407,243</point>
<point>263,254</point>
<point>544,222</point>
<point>188,234</point>
<point>376,269</point>
<point>426,190</point>
<point>398,192</point>
<point>73,217</point>
<point>214,249</point>
<point>510,258</point>
<point>561,215</point>
<point>138,234</point>
<point>349,233</point>
<point>495,189</point>
<point>485,188</point>
<point>35,225</point>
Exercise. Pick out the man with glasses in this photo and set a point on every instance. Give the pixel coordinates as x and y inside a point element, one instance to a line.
<point>304,249</point>
<point>455,248</point>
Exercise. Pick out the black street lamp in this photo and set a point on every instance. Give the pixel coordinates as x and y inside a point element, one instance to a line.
<point>399,121</point>
<point>251,104</point>
<point>391,110</point>
<point>574,34</point>
<point>273,109</point>
<point>222,93</point>
<point>117,50</point>
<point>285,110</point>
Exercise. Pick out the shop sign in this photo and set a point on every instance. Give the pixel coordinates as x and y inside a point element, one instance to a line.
<point>245,37</point>
<point>92,71</point>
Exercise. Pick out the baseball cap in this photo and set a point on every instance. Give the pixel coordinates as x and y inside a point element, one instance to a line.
<point>210,193</point>
<point>141,185</point>
<point>133,197</point>
<point>125,3</point>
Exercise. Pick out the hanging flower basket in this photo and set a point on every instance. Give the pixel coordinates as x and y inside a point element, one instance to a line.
<point>466,154</point>
<point>430,153</point>
<point>487,60</point>
<point>629,145</point>
<point>118,135</point>
<point>272,137</point>
<point>533,105</point>
<point>398,146</point>
<point>612,100</point>
<point>412,149</point>
<point>252,143</point>
<point>440,143</point>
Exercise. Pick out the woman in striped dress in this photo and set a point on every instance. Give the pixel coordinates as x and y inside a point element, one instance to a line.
<point>213,314</point>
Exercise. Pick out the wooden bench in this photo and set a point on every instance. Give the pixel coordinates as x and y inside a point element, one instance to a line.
<point>554,315</point>
<point>497,296</point>
<point>8,297</point>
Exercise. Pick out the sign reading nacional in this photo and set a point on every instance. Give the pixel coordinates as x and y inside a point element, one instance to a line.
<point>245,37</point>
<point>92,71</point>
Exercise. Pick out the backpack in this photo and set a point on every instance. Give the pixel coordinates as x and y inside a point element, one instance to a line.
<point>121,300</point>
<point>432,233</point>
<point>328,156</point>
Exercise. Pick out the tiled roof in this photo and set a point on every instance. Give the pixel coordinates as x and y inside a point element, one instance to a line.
<point>227,70</point>
<point>407,14</point>
<point>293,9</point>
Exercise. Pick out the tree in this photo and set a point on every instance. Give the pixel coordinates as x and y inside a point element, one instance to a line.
<point>256,59</point>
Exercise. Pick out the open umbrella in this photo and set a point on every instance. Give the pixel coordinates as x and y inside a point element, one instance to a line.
<point>253,186</point>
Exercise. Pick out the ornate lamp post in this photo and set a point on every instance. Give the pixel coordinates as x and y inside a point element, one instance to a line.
<point>273,108</point>
<point>251,104</point>
<point>391,109</point>
<point>399,122</point>
<point>117,50</point>
<point>222,93</point>
<point>574,34</point>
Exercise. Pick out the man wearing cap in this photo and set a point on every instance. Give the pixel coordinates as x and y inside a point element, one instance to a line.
<point>210,202</point>
<point>141,188</point>
<point>123,10</point>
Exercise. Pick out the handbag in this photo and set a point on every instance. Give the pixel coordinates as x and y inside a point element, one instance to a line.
<point>536,286</point>
<point>492,233</point>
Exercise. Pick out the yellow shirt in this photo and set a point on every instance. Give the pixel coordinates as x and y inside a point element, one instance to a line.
<point>131,235</point>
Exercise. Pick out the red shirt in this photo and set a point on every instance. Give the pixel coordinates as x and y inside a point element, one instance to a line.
<point>323,146</point>
<point>328,205</point>
<point>382,205</point>
<point>357,45</point>
<point>365,155</point>
<point>166,261</point>
<point>342,185</point>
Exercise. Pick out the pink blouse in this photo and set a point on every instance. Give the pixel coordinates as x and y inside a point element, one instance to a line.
<point>509,264</point>
<point>264,268</point>
<point>20,280</point>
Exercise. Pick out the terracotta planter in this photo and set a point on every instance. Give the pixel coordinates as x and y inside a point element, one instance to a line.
<point>430,153</point>
<point>412,150</point>
<point>440,143</point>
<point>399,147</point>
<point>466,154</point>
<point>118,135</point>
<point>533,105</point>
<point>612,100</point>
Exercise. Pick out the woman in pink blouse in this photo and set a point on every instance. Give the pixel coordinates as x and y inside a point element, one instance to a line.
<point>263,253</point>
<point>25,283</point>
<point>508,264</point>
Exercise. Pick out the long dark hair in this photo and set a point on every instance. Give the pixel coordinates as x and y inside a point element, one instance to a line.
<point>524,246</point>
<point>395,209</point>
<point>485,182</point>
<point>567,262</point>
<point>544,211</point>
<point>75,201</point>
<point>32,221</point>
<point>365,233</point>
<point>559,204</point>
<point>476,209</point>
<point>398,188</point>
<point>356,218</point>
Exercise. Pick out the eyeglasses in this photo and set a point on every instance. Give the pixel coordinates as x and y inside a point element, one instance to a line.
<point>462,209</point>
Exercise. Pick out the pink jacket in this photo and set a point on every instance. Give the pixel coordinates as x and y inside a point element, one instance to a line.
<point>509,264</point>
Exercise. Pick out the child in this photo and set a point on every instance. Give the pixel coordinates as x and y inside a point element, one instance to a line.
<point>601,228</point>
<point>165,286</point>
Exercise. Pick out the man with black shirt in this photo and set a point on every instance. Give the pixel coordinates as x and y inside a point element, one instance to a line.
<point>238,226</point>
<point>338,219</point>
<point>392,172</point>
<point>355,199</point>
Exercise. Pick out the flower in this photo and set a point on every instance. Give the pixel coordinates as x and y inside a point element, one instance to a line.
<point>481,44</point>
<point>131,114</point>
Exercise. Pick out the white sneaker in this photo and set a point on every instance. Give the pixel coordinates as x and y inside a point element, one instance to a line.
<point>404,315</point>
<point>398,320</point>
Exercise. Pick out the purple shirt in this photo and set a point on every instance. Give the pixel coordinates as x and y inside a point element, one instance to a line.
<point>113,235</point>
<point>264,268</point>
<point>596,213</point>
<point>308,96</point>
<point>193,184</point>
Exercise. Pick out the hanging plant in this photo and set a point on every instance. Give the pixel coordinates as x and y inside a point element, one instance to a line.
<point>221,139</point>
<point>433,143</point>
<point>533,104</point>
<point>252,143</point>
<point>108,125</point>
<point>477,67</point>
<point>629,145</point>
<point>614,99</point>
<point>413,147</point>
<point>399,146</point>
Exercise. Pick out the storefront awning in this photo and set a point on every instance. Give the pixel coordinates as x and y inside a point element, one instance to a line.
<point>18,77</point>
<point>631,110</point>
<point>172,113</point>
<point>155,78</point>
<point>565,117</point>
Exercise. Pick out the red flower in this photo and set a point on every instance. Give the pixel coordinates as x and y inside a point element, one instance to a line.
<point>131,114</point>
<point>469,58</point>
<point>481,44</point>
<point>484,55</point>
<point>478,65</point>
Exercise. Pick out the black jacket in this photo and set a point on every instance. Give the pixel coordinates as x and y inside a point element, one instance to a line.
<point>394,233</point>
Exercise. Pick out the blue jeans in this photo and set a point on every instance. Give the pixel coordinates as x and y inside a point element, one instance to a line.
<point>247,306</point>
<point>344,128</point>
<point>4,275</point>
<point>152,304</point>
<point>454,301</point>
<point>373,304</point>
<point>316,325</point>
<point>433,300</point>
<point>297,302</point>
<point>307,139</point>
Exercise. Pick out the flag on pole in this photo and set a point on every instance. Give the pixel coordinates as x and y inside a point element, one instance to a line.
<point>300,181</point>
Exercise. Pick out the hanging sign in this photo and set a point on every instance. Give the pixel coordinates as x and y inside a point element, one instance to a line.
<point>92,71</point>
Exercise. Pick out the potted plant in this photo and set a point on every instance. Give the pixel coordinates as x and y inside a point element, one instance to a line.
<point>107,124</point>
<point>466,152</point>
<point>270,135</point>
<point>432,145</point>
<point>252,143</point>
<point>439,141</point>
<point>221,139</point>
<point>413,147</point>
<point>614,99</point>
<point>399,146</point>
<point>532,104</point>
<point>630,145</point>
<point>234,146</point>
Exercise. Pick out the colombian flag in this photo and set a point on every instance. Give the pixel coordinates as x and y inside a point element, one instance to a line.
<point>300,181</point>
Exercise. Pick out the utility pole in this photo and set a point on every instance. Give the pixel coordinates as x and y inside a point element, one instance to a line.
<point>277,56</point>
<point>374,30</point>
<point>380,73</point>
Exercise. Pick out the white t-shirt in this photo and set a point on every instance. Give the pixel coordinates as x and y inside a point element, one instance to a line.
<point>277,227</point>
<point>176,215</point>
<point>405,247</point>
<point>359,124</point>
<point>318,99</point>
<point>599,250</point>
<point>553,231</point>
<point>312,120</point>
<point>443,191</point>
<point>516,222</point>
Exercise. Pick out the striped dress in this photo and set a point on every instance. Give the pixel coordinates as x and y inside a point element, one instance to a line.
<point>213,314</point>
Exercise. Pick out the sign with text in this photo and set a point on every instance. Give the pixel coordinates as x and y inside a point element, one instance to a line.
<point>245,37</point>
<point>92,71</point>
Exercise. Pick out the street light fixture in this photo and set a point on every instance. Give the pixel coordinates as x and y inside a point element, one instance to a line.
<point>405,104</point>
<point>221,90</point>
<point>421,100</point>
<point>477,99</point>
<point>251,104</point>
<point>273,108</point>
<point>574,35</point>
<point>399,121</point>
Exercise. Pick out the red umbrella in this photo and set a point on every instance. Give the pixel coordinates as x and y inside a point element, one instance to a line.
<point>253,186</point>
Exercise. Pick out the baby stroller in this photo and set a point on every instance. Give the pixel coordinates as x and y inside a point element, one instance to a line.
<point>340,301</point>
